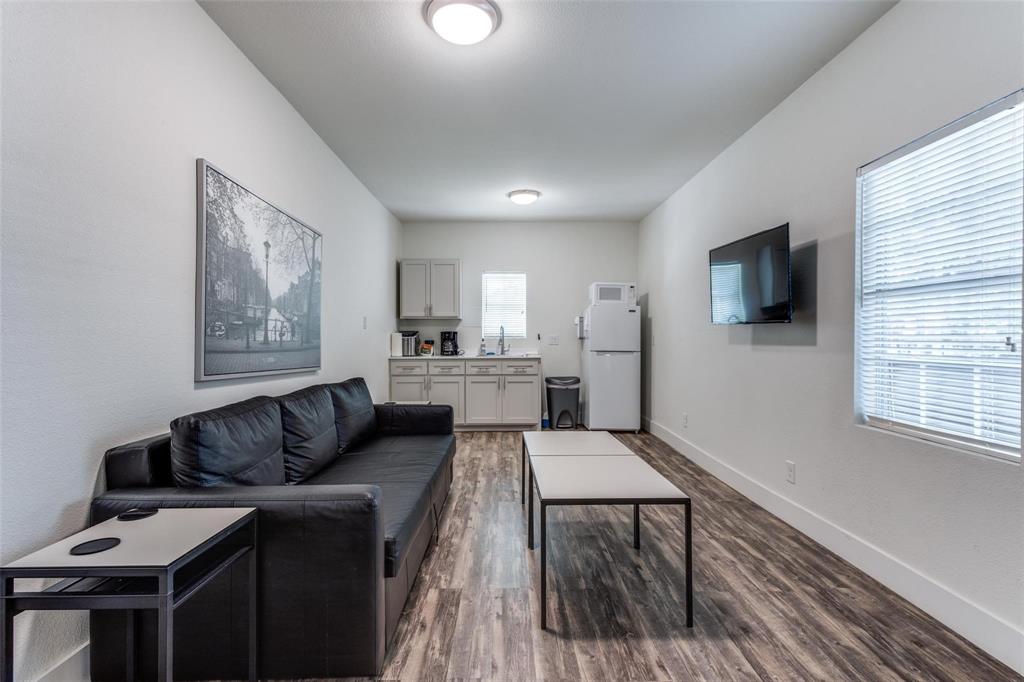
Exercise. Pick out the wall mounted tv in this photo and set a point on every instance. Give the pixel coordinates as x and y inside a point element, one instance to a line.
<point>750,279</point>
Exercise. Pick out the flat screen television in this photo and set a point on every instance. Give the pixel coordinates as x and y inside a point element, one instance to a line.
<point>750,279</point>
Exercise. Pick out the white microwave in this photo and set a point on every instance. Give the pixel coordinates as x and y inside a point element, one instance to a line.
<point>615,293</point>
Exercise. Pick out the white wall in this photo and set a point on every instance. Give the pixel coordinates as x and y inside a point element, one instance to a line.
<point>944,528</point>
<point>105,109</point>
<point>560,260</point>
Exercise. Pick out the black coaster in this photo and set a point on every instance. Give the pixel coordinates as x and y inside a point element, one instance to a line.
<point>95,546</point>
<point>136,514</point>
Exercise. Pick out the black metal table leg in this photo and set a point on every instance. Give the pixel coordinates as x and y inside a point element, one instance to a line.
<point>165,645</point>
<point>165,630</point>
<point>6,631</point>
<point>129,644</point>
<point>636,526</point>
<point>543,565</point>
<point>689,569</point>
<point>522,477</point>
<point>529,512</point>
<point>254,610</point>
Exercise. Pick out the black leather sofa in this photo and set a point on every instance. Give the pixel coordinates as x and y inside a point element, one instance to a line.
<point>349,494</point>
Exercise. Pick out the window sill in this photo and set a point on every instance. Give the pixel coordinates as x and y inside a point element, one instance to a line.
<point>942,442</point>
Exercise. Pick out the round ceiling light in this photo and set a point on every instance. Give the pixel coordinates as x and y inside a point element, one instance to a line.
<point>524,197</point>
<point>463,22</point>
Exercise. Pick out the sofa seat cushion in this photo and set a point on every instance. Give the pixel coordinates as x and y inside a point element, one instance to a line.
<point>428,447</point>
<point>354,416</point>
<point>407,480</point>
<point>238,444</point>
<point>310,436</point>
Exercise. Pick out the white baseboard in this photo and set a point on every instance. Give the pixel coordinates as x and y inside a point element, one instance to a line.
<point>74,668</point>
<point>999,638</point>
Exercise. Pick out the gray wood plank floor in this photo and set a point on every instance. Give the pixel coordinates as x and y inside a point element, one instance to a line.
<point>770,603</point>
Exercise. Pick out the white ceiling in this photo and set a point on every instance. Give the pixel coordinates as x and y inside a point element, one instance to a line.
<point>605,107</point>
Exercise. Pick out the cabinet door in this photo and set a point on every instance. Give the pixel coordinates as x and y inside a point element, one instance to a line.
<point>483,400</point>
<point>520,401</point>
<point>414,288</point>
<point>445,288</point>
<point>448,390</point>
<point>408,388</point>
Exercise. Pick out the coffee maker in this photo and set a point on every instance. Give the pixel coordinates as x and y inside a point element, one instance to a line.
<point>449,343</point>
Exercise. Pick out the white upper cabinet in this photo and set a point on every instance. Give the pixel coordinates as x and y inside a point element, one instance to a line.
<point>430,288</point>
<point>445,288</point>
<point>414,288</point>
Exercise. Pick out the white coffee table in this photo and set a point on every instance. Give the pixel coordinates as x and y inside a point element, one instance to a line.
<point>141,572</point>
<point>590,480</point>
<point>567,444</point>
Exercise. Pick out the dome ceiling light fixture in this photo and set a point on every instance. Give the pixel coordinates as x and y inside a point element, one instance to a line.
<point>524,197</point>
<point>463,22</point>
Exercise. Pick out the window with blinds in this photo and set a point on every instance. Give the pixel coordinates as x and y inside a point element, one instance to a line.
<point>504,304</point>
<point>939,241</point>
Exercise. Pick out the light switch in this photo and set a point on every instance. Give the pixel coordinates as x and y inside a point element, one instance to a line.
<point>552,339</point>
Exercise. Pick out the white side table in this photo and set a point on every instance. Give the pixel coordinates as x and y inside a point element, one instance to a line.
<point>159,563</point>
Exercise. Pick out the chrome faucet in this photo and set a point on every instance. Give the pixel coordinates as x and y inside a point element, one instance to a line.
<point>502,349</point>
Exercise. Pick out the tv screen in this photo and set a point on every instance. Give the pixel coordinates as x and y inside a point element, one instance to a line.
<point>750,282</point>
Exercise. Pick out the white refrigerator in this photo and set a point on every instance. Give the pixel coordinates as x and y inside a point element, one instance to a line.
<point>610,391</point>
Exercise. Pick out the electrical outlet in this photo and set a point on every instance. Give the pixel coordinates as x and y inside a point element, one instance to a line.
<point>552,339</point>
<point>686,420</point>
<point>364,321</point>
<point>791,471</point>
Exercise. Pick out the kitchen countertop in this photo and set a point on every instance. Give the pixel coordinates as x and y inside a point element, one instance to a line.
<point>471,355</point>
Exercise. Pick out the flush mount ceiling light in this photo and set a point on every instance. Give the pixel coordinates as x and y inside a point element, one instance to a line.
<point>463,22</point>
<point>524,197</point>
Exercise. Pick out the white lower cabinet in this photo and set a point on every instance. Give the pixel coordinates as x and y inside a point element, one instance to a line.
<point>408,388</point>
<point>483,392</point>
<point>520,400</point>
<point>483,400</point>
<point>448,390</point>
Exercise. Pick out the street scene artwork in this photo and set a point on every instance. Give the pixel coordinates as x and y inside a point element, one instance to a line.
<point>258,308</point>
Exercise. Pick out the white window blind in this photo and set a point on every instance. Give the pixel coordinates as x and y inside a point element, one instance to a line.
<point>504,304</point>
<point>939,237</point>
<point>727,285</point>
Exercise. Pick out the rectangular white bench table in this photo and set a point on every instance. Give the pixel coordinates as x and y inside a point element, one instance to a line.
<point>567,444</point>
<point>589,480</point>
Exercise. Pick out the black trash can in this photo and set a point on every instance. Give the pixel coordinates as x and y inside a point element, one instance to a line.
<point>563,401</point>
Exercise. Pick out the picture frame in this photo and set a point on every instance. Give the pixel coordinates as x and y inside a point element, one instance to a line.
<point>258,284</point>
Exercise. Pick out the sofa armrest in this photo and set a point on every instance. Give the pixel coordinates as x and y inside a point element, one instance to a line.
<point>414,420</point>
<point>321,559</point>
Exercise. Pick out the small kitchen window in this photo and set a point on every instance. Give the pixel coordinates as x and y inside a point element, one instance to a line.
<point>504,304</point>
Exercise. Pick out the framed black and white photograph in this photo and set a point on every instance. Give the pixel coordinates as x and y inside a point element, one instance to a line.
<point>258,281</point>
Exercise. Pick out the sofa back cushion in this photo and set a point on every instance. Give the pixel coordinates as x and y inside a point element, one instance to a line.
<point>238,444</point>
<point>310,436</point>
<point>354,416</point>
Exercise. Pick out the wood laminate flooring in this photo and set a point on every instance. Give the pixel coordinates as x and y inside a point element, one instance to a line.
<point>770,603</point>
